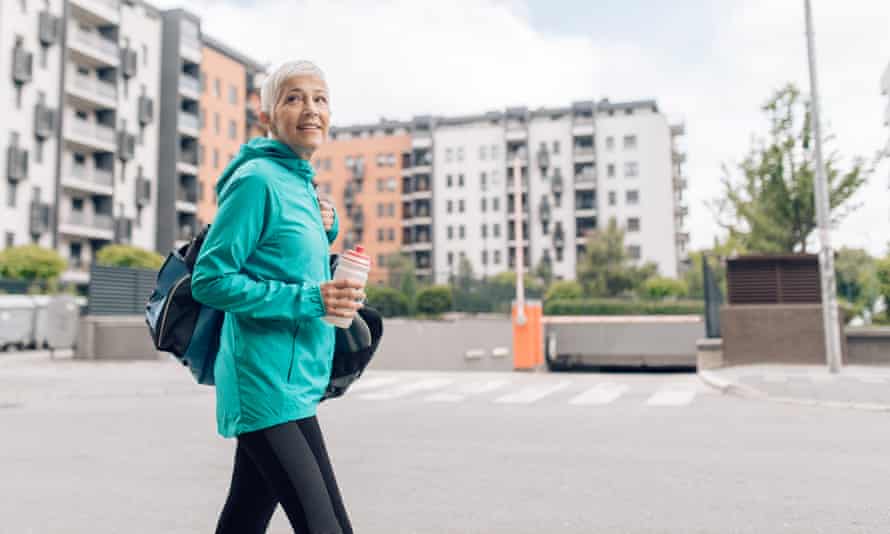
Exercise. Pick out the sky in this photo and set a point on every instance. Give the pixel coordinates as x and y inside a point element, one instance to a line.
<point>708,63</point>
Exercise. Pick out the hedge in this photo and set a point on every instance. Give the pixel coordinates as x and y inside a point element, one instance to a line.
<point>623,307</point>
<point>389,302</point>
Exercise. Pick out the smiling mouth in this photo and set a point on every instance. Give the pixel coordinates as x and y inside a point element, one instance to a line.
<point>309,128</point>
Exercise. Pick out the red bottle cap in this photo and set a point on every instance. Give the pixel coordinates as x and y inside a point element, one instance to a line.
<point>357,255</point>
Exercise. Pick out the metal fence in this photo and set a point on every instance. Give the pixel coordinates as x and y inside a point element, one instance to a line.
<point>119,290</point>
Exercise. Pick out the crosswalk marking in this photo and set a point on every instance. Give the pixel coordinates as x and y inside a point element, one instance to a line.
<point>672,397</point>
<point>476,388</point>
<point>530,394</point>
<point>600,394</point>
<point>364,384</point>
<point>407,389</point>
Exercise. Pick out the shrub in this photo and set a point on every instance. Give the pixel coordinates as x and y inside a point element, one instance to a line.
<point>434,300</point>
<point>129,256</point>
<point>389,302</point>
<point>31,262</point>
<point>622,307</point>
<point>660,287</point>
<point>564,290</point>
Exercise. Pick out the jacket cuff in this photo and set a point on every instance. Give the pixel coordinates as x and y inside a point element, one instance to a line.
<point>311,304</point>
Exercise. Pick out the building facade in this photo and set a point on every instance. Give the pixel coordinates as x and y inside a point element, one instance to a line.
<point>885,90</point>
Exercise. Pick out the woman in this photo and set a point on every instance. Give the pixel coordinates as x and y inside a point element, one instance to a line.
<point>265,263</point>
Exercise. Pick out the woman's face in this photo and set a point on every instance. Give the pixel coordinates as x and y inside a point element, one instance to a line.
<point>301,116</point>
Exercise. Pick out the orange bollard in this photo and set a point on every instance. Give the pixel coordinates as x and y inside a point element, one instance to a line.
<point>528,338</point>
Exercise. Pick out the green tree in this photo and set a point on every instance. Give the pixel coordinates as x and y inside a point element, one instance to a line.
<point>388,301</point>
<point>857,278</point>
<point>770,208</point>
<point>694,275</point>
<point>434,300</point>
<point>882,271</point>
<point>605,269</point>
<point>32,263</point>
<point>660,287</point>
<point>129,256</point>
<point>564,290</point>
<point>400,274</point>
<point>544,271</point>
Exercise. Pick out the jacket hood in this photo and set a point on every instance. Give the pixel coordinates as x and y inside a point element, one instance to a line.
<point>265,148</point>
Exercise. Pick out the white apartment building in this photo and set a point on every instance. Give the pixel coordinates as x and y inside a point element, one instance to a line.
<point>581,165</point>
<point>31,40</point>
<point>885,90</point>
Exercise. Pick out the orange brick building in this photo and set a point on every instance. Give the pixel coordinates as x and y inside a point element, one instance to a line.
<point>360,170</point>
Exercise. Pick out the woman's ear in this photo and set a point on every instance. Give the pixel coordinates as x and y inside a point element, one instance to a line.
<point>265,119</point>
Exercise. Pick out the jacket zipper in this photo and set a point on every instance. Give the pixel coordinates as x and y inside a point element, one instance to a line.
<point>293,348</point>
<point>170,295</point>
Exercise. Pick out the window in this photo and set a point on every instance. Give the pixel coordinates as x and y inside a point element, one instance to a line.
<point>483,181</point>
<point>202,79</point>
<point>379,209</point>
<point>449,180</point>
<point>494,152</point>
<point>630,142</point>
<point>380,260</point>
<point>391,209</point>
<point>495,204</point>
<point>233,95</point>
<point>612,198</point>
<point>610,170</point>
<point>217,88</point>
<point>496,232</point>
<point>10,239</point>
<point>448,155</point>
<point>484,230</point>
<point>632,197</point>
<point>450,232</point>
<point>451,258</point>
<point>633,224</point>
<point>497,257</point>
<point>200,154</point>
<point>484,204</point>
<point>216,123</point>
<point>144,55</point>
<point>482,152</point>
<point>449,206</point>
<point>460,206</point>
<point>202,116</point>
<point>462,232</point>
<point>631,169</point>
<point>215,158</point>
<point>391,184</point>
<point>559,254</point>
<point>379,185</point>
<point>556,147</point>
<point>233,130</point>
<point>634,252</point>
<point>460,153</point>
<point>11,191</point>
<point>460,180</point>
<point>380,235</point>
<point>484,257</point>
<point>610,143</point>
<point>391,234</point>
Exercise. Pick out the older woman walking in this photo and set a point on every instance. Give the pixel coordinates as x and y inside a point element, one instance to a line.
<point>265,263</point>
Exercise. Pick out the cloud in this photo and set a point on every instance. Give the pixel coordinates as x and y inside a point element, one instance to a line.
<point>399,58</point>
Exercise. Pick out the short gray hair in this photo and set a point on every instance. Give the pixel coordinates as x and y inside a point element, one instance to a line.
<point>271,88</point>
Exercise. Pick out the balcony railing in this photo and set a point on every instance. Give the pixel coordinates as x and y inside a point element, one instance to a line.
<point>185,194</point>
<point>188,120</point>
<point>189,83</point>
<point>97,221</point>
<point>94,41</point>
<point>91,130</point>
<point>583,151</point>
<point>588,175</point>
<point>90,84</point>
<point>188,157</point>
<point>101,177</point>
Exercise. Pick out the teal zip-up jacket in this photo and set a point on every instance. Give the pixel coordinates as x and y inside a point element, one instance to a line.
<point>262,262</point>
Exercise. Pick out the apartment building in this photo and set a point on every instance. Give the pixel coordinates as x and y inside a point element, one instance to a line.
<point>225,78</point>
<point>885,90</point>
<point>360,170</point>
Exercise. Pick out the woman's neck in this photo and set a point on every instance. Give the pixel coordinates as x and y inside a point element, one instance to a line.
<point>302,152</point>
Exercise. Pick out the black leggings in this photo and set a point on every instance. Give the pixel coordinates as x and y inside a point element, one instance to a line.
<point>285,464</point>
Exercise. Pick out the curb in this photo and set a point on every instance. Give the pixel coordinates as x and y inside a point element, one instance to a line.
<point>728,387</point>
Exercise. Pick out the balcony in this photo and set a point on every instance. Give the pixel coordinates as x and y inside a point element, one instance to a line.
<point>90,91</point>
<point>190,45</point>
<point>189,86</point>
<point>585,179</point>
<point>186,200</point>
<point>189,123</point>
<point>99,11</point>
<point>583,153</point>
<point>187,163</point>
<point>95,226</point>
<point>582,125</point>
<point>90,135</point>
<point>679,157</point>
<point>93,180</point>
<point>93,47</point>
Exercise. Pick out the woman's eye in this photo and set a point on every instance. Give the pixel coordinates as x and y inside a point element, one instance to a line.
<point>292,98</point>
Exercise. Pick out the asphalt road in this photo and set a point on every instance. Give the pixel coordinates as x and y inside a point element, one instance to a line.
<point>131,448</point>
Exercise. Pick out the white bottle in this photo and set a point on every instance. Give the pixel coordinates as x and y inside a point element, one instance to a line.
<point>352,265</point>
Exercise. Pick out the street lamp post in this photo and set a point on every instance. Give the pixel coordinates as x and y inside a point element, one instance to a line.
<point>826,255</point>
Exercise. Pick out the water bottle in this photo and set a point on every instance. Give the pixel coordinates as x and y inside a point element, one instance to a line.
<point>352,265</point>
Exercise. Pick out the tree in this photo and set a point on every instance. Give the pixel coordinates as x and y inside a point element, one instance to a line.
<point>544,271</point>
<point>434,300</point>
<point>882,270</point>
<point>770,208</point>
<point>694,276</point>
<point>129,256</point>
<point>564,290</point>
<point>659,287</point>
<point>388,301</point>
<point>400,274</point>
<point>605,269</point>
<point>857,278</point>
<point>32,263</point>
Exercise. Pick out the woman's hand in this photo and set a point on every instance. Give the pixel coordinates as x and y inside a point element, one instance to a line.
<point>343,298</point>
<point>327,213</point>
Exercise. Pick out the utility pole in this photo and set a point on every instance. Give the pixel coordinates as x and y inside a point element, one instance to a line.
<point>823,213</point>
<point>520,240</point>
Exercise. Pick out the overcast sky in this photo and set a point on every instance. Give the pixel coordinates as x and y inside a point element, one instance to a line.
<point>708,63</point>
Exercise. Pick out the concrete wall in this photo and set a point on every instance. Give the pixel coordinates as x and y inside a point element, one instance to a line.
<point>787,333</point>
<point>868,346</point>
<point>115,338</point>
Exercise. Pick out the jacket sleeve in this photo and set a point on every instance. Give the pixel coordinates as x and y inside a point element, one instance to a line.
<point>335,228</point>
<point>218,280</point>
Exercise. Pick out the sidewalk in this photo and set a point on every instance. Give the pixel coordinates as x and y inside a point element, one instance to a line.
<point>855,387</point>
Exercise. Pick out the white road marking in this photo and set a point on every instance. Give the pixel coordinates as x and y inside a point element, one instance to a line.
<point>428,384</point>
<point>475,388</point>
<point>672,396</point>
<point>530,394</point>
<point>601,394</point>
<point>366,383</point>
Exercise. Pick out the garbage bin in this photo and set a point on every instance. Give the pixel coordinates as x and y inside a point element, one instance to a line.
<point>62,316</point>
<point>16,321</point>
<point>41,326</point>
